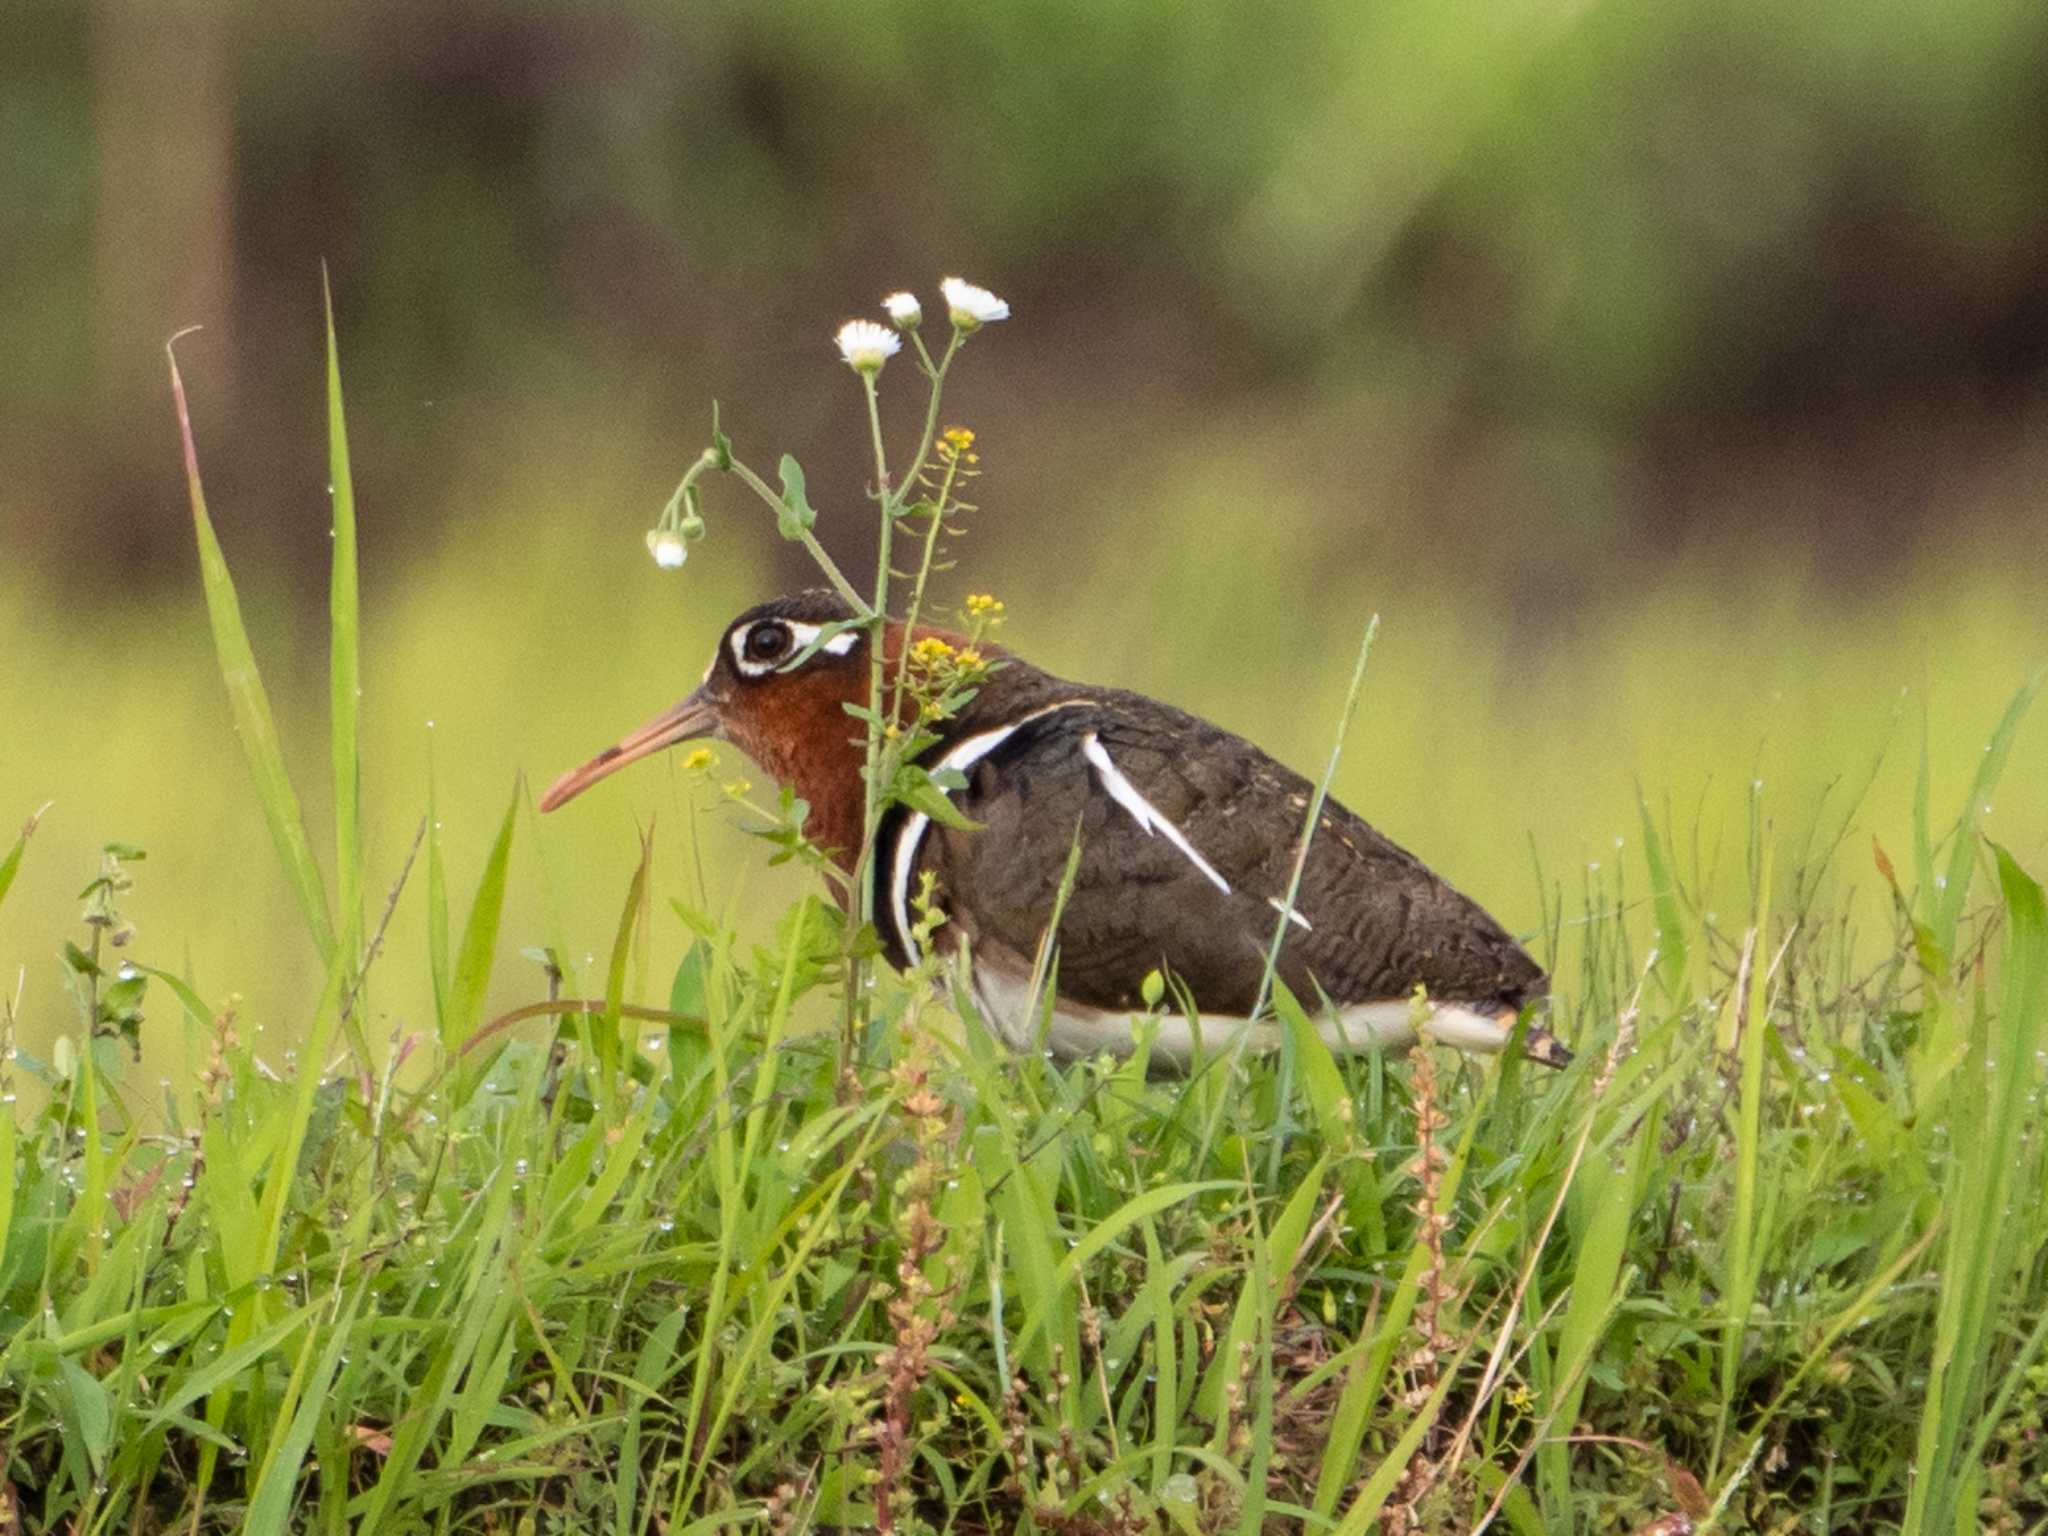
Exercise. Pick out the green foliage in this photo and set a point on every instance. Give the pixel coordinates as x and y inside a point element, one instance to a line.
<point>686,1274</point>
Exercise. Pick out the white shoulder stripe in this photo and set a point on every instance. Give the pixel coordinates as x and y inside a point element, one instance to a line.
<point>964,755</point>
<point>1143,812</point>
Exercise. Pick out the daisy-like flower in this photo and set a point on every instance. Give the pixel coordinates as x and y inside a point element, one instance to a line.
<point>972,307</point>
<point>866,346</point>
<point>905,313</point>
<point>667,547</point>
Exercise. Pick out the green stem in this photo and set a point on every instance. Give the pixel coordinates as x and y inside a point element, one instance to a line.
<point>825,563</point>
<point>879,713</point>
<point>931,413</point>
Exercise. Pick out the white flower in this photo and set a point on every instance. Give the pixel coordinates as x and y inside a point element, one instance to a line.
<point>972,307</point>
<point>667,547</point>
<point>904,311</point>
<point>866,345</point>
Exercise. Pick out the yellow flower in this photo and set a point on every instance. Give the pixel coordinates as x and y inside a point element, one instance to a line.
<point>931,651</point>
<point>968,656</point>
<point>701,758</point>
<point>982,606</point>
<point>959,439</point>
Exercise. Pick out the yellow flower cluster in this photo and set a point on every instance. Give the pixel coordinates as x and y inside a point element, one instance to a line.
<point>957,443</point>
<point>982,606</point>
<point>699,758</point>
<point>931,652</point>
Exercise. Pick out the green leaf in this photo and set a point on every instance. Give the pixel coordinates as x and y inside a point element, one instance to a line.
<point>796,517</point>
<point>917,789</point>
<point>721,445</point>
<point>250,703</point>
<point>825,633</point>
<point>686,994</point>
<point>86,1411</point>
<point>479,940</point>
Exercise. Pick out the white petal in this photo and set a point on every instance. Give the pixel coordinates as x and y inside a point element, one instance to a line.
<point>866,345</point>
<point>970,305</point>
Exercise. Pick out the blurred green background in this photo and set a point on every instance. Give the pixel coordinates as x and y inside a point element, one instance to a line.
<point>1672,379</point>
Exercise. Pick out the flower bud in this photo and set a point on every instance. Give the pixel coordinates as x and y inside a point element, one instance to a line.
<point>905,313</point>
<point>667,547</point>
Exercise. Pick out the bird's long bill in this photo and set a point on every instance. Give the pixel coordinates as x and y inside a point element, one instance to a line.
<point>695,716</point>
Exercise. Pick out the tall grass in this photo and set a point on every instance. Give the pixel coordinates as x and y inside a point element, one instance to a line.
<point>1768,1255</point>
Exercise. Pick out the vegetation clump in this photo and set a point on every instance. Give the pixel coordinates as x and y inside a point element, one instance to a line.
<point>1768,1255</point>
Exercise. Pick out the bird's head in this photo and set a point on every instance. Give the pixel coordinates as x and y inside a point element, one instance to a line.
<point>779,686</point>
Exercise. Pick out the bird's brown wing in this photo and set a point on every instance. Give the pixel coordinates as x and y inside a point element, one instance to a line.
<point>1187,838</point>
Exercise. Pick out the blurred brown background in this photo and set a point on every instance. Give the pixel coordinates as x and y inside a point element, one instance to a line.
<point>1670,377</point>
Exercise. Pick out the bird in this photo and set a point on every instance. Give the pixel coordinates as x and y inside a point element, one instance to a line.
<point>1186,837</point>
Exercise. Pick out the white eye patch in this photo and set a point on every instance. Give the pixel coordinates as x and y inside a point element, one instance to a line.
<point>801,638</point>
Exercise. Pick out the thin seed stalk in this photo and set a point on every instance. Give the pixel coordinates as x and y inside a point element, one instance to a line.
<point>924,571</point>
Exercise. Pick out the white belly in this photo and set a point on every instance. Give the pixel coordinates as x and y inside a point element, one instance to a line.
<point>1006,1004</point>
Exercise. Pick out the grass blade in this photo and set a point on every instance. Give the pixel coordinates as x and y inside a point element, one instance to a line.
<point>1953,890</point>
<point>437,895</point>
<point>1978,1255</point>
<point>1672,950</point>
<point>248,700</point>
<point>278,1480</point>
<point>479,940</point>
<point>1744,1261</point>
<point>11,865</point>
<point>345,668</point>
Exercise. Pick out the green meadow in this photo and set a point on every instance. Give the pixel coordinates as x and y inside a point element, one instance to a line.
<point>449,1168</point>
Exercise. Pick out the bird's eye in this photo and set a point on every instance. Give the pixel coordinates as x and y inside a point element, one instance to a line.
<point>767,642</point>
